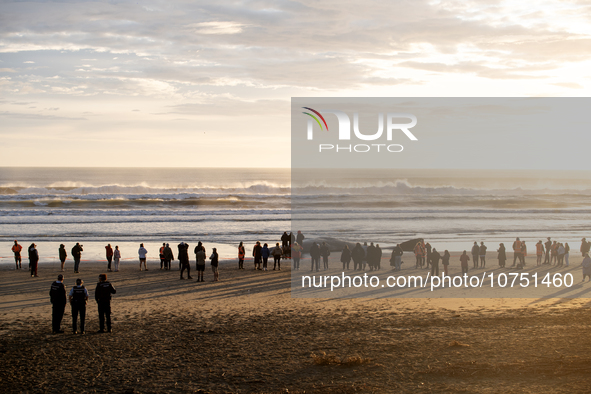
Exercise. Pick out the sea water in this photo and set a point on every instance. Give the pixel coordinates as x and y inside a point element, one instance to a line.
<point>222,207</point>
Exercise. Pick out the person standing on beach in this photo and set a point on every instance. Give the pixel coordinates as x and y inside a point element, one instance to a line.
<point>539,252</point>
<point>554,253</point>
<point>428,253</point>
<point>357,254</point>
<point>482,255</point>
<point>284,240</point>
<point>200,256</point>
<point>475,253</point>
<point>435,257</point>
<point>184,259</point>
<point>548,246</point>
<point>585,246</point>
<point>62,255</point>
<point>419,255</point>
<point>516,251</point>
<point>346,257</point>
<point>57,296</point>
<point>102,295</point>
<point>566,253</point>
<point>78,299</point>
<point>396,257</point>
<point>370,256</point>
<point>445,261</point>
<point>586,264</point>
<point>214,264</point>
<point>241,254</point>
<point>33,260</point>
<point>315,256</point>
<point>162,257</point>
<point>277,252</point>
<point>265,253</point>
<point>378,260</point>
<point>168,257</point>
<point>109,255</point>
<point>561,251</point>
<point>502,255</point>
<point>324,252</point>
<point>16,249</point>
<point>116,257</point>
<point>300,239</point>
<point>291,241</point>
<point>522,255</point>
<point>364,255</point>
<point>77,255</point>
<point>296,255</point>
<point>142,252</point>
<point>258,255</point>
<point>464,258</point>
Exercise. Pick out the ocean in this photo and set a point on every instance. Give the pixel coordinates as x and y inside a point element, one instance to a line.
<point>222,207</point>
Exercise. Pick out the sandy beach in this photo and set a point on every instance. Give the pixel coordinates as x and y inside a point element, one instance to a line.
<point>247,334</point>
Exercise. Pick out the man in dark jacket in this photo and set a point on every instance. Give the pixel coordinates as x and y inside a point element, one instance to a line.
<point>475,254</point>
<point>184,260</point>
<point>435,257</point>
<point>357,254</point>
<point>168,257</point>
<point>300,239</point>
<point>371,256</point>
<point>315,256</point>
<point>33,259</point>
<point>257,253</point>
<point>57,294</point>
<point>77,254</point>
<point>78,300</point>
<point>102,295</point>
<point>396,258</point>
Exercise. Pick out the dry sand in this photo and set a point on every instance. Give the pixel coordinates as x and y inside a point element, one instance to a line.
<point>247,334</point>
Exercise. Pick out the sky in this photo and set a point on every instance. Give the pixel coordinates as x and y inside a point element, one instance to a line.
<point>209,84</point>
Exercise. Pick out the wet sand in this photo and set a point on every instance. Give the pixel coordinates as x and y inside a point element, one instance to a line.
<point>247,334</point>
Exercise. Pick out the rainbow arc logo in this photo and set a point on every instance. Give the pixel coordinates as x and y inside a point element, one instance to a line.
<point>315,118</point>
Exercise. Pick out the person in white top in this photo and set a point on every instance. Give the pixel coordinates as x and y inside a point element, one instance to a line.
<point>143,252</point>
<point>116,258</point>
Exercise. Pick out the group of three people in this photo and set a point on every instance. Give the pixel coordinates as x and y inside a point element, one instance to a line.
<point>78,299</point>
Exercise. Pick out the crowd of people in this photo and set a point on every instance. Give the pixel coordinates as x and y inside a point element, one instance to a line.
<point>363,256</point>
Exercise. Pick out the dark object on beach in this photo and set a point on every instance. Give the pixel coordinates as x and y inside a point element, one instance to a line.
<point>409,246</point>
<point>102,295</point>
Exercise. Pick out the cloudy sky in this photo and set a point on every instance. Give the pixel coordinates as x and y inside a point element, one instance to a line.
<point>202,83</point>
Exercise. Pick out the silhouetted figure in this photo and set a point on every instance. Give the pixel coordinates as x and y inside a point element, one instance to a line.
<point>57,296</point>
<point>102,295</point>
<point>475,253</point>
<point>482,255</point>
<point>78,299</point>
<point>357,254</point>
<point>445,261</point>
<point>324,253</point>
<point>184,259</point>
<point>502,256</point>
<point>464,258</point>
<point>33,260</point>
<point>435,257</point>
<point>315,256</point>
<point>346,257</point>
<point>257,254</point>
<point>77,255</point>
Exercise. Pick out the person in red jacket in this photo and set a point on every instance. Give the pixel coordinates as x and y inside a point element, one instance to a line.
<point>16,249</point>
<point>109,251</point>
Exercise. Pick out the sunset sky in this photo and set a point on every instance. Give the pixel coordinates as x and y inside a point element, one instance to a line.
<point>202,83</point>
